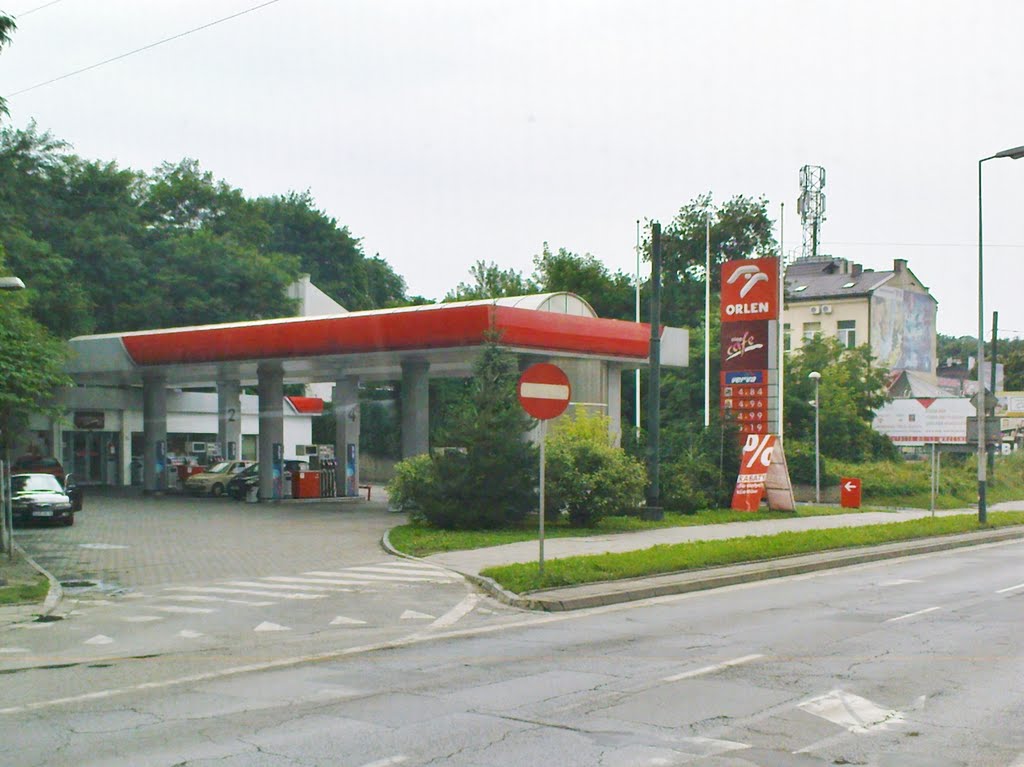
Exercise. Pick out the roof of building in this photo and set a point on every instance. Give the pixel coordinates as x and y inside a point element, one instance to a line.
<point>831,278</point>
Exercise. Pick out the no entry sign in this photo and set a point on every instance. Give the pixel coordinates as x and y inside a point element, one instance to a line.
<point>544,391</point>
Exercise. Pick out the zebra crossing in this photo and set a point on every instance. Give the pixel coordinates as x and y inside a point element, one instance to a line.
<point>268,590</point>
<point>386,596</point>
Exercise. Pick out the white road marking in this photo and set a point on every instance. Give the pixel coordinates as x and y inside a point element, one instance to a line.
<point>389,570</point>
<point>312,583</point>
<point>189,634</point>
<point>99,639</point>
<point>711,669</point>
<point>341,620</point>
<point>133,595</point>
<point>260,585</point>
<point>457,613</point>
<point>267,626</point>
<point>412,615</point>
<point>365,579</point>
<point>13,650</point>
<point>391,760</point>
<point>851,711</point>
<point>900,582</point>
<point>185,610</point>
<point>102,546</point>
<point>201,598</point>
<point>35,626</point>
<point>250,592</point>
<point>1011,588</point>
<point>911,615</point>
<point>142,618</point>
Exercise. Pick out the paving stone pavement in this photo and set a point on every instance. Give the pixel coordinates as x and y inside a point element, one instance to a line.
<point>126,541</point>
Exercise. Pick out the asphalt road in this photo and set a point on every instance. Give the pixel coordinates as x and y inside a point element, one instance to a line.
<point>907,662</point>
<point>159,586</point>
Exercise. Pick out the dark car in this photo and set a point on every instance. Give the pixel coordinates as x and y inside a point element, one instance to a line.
<point>241,483</point>
<point>40,498</point>
<point>38,464</point>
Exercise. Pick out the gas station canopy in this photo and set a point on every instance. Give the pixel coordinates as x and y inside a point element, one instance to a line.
<point>371,344</point>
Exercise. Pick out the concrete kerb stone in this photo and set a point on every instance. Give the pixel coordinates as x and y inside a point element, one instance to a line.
<point>26,613</point>
<point>489,585</point>
<point>629,590</point>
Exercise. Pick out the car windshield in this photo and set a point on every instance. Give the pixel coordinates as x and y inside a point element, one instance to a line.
<point>219,468</point>
<point>35,483</point>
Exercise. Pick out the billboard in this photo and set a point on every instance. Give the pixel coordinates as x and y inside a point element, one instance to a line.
<point>903,329</point>
<point>924,421</point>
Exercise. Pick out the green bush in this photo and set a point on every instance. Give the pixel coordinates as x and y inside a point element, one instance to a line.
<point>414,486</point>
<point>692,482</point>
<point>586,476</point>
<point>490,480</point>
<point>800,460</point>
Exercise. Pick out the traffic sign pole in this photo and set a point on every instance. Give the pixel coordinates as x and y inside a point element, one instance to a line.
<point>543,439</point>
<point>544,392</point>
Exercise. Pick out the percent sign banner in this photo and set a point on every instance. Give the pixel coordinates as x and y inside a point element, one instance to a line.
<point>754,462</point>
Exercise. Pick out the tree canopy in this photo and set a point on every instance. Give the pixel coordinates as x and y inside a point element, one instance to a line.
<point>104,248</point>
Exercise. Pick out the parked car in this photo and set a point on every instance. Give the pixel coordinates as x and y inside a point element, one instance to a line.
<point>38,464</point>
<point>214,481</point>
<point>239,486</point>
<point>40,498</point>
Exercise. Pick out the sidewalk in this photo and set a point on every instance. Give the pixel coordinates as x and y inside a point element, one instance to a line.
<point>471,562</point>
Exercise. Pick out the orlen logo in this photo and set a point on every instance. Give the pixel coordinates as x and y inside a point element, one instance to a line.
<point>748,289</point>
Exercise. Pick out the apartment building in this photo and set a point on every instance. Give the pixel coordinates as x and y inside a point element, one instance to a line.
<point>892,311</point>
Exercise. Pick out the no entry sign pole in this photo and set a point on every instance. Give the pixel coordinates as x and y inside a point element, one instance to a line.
<point>544,393</point>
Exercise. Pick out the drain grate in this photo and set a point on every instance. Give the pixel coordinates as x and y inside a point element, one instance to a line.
<point>78,584</point>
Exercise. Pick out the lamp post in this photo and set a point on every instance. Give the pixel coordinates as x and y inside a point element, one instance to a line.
<point>7,284</point>
<point>1014,154</point>
<point>816,376</point>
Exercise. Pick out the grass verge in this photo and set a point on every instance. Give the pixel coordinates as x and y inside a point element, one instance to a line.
<point>420,540</point>
<point>20,583</point>
<point>572,571</point>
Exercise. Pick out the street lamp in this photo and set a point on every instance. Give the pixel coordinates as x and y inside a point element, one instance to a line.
<point>1014,154</point>
<point>816,376</point>
<point>7,526</point>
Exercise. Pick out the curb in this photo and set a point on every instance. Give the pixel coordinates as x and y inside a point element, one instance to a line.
<point>53,596</point>
<point>629,590</point>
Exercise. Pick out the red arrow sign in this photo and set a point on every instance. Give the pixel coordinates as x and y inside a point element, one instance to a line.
<point>544,391</point>
<point>849,493</point>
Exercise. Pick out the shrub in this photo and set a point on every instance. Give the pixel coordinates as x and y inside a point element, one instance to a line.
<point>414,486</point>
<point>800,460</point>
<point>490,481</point>
<point>586,476</point>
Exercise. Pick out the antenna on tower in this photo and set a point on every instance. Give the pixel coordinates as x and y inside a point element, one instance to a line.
<point>811,207</point>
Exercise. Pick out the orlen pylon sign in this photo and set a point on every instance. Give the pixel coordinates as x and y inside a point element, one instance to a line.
<point>749,383</point>
<point>750,322</point>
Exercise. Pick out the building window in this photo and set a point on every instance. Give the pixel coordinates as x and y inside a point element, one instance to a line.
<point>811,330</point>
<point>847,333</point>
<point>787,337</point>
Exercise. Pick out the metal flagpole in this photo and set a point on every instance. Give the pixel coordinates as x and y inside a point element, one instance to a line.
<point>707,320</point>
<point>781,341</point>
<point>636,409</point>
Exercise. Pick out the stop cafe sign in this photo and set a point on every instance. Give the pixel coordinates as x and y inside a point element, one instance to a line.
<point>544,391</point>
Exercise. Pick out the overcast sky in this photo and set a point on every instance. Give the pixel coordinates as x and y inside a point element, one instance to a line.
<point>442,133</point>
